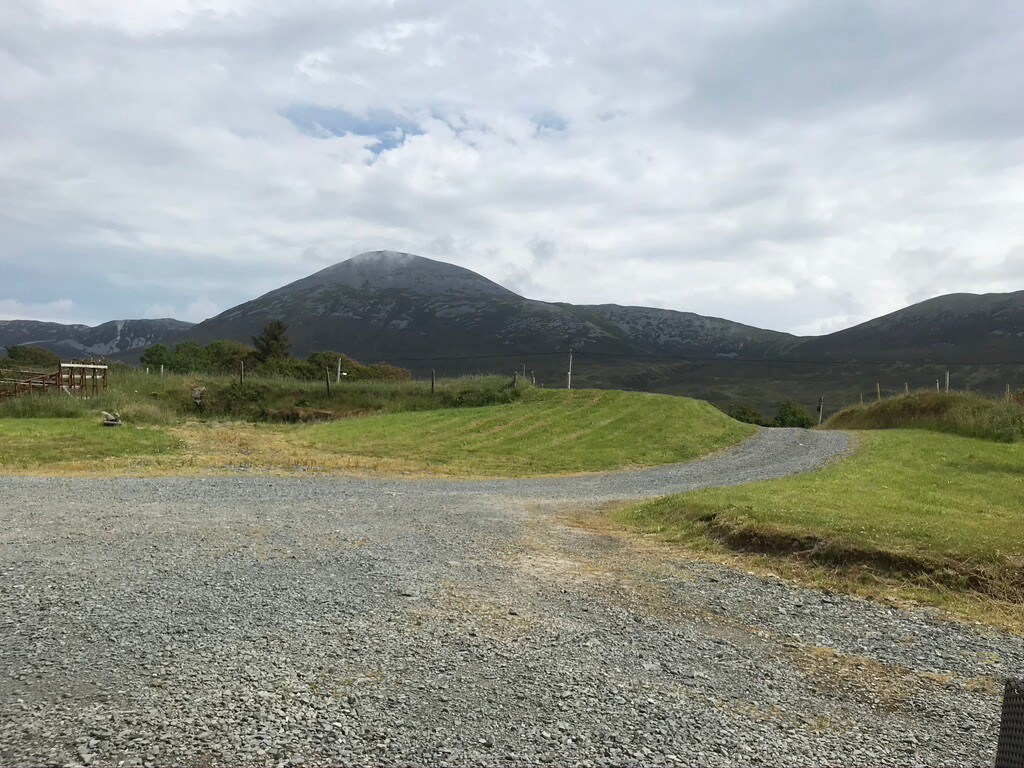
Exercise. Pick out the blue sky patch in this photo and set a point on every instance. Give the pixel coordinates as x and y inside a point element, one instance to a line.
<point>389,128</point>
<point>550,123</point>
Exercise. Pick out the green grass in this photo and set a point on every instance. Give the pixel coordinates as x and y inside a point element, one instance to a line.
<point>959,413</point>
<point>150,399</point>
<point>30,443</point>
<point>928,509</point>
<point>548,432</point>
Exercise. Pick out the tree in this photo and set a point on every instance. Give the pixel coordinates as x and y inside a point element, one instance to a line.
<point>225,355</point>
<point>273,343</point>
<point>190,357</point>
<point>748,414</point>
<point>793,415</point>
<point>156,355</point>
<point>25,355</point>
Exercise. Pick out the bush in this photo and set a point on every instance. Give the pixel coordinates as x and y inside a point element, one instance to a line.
<point>23,355</point>
<point>748,414</point>
<point>793,415</point>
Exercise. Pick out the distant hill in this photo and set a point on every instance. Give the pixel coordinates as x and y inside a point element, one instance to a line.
<point>956,328</point>
<point>113,338</point>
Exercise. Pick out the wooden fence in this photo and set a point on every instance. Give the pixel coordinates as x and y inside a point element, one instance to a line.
<point>81,379</point>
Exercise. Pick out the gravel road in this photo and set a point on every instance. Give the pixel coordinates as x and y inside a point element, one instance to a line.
<point>286,622</point>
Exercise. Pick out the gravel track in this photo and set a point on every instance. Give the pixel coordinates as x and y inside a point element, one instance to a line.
<point>280,622</point>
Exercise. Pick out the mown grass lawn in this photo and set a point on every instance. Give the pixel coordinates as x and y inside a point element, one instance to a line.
<point>549,432</point>
<point>929,509</point>
<point>31,443</point>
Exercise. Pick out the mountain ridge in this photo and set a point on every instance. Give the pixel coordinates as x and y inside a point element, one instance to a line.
<point>395,305</point>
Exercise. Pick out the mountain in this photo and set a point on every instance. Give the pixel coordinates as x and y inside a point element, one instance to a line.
<point>406,308</point>
<point>113,338</point>
<point>956,328</point>
<point>421,314</point>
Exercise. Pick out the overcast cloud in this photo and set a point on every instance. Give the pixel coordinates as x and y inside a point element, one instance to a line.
<point>801,166</point>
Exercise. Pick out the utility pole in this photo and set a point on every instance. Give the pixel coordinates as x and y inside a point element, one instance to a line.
<point>821,409</point>
<point>947,381</point>
<point>337,379</point>
<point>569,383</point>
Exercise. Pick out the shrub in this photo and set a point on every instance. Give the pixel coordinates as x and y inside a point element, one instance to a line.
<point>748,414</point>
<point>793,415</point>
<point>24,355</point>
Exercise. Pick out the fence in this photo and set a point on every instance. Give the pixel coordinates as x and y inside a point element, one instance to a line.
<point>81,379</point>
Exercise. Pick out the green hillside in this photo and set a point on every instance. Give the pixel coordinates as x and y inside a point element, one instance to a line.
<point>549,432</point>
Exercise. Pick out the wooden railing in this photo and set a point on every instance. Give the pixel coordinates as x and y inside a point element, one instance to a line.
<point>82,379</point>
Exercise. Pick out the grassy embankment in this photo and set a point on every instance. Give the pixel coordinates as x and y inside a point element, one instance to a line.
<point>480,426</point>
<point>914,513</point>
<point>548,432</point>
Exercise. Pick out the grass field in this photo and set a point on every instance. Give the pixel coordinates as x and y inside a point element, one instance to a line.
<point>542,432</point>
<point>550,432</point>
<point>915,513</point>
<point>28,443</point>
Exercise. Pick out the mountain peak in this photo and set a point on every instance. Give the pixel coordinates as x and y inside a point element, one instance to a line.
<point>376,271</point>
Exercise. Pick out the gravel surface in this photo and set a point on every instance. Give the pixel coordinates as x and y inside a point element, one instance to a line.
<point>287,622</point>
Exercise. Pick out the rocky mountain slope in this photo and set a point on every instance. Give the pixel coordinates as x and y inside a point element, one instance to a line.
<point>109,339</point>
<point>397,306</point>
<point>955,328</point>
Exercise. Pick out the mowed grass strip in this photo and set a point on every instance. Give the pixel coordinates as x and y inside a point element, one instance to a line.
<point>31,443</point>
<point>548,433</point>
<point>929,510</point>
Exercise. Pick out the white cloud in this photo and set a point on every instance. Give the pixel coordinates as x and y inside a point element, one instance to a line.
<point>199,310</point>
<point>772,164</point>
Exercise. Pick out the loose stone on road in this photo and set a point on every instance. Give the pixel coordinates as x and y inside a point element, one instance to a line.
<point>259,621</point>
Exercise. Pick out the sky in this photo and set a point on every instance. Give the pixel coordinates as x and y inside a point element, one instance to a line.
<point>801,166</point>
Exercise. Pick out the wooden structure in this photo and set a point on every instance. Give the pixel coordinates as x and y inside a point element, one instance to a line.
<point>81,379</point>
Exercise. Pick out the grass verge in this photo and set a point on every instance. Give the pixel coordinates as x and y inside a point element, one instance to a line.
<point>930,517</point>
<point>27,443</point>
<point>549,432</point>
<point>958,413</point>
